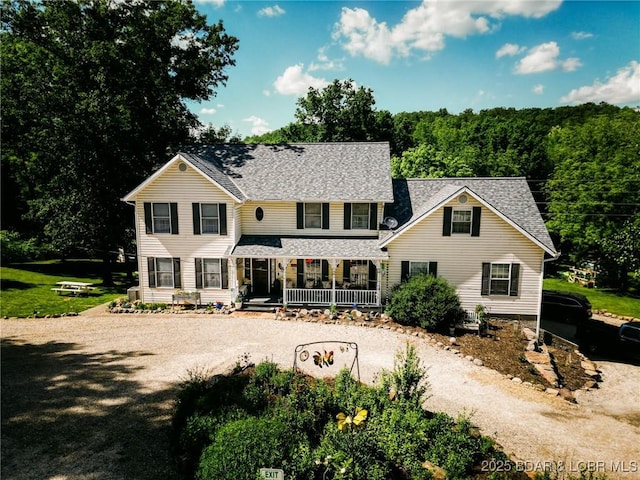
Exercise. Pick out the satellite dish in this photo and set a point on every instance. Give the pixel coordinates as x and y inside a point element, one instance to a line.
<point>390,222</point>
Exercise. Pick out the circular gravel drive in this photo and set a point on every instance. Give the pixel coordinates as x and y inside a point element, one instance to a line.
<point>91,397</point>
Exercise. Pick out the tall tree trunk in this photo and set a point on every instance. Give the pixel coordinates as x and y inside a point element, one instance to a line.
<point>107,274</point>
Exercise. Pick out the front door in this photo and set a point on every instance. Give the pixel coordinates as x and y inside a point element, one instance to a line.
<point>260,276</point>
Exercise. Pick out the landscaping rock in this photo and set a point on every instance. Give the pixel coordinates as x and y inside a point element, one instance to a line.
<point>537,357</point>
<point>529,334</point>
<point>453,341</point>
<point>516,380</point>
<point>477,361</point>
<point>437,473</point>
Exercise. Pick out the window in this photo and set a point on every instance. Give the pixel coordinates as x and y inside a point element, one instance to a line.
<point>211,273</point>
<point>416,268</point>
<point>312,215</point>
<point>209,216</point>
<point>409,269</point>
<point>359,272</point>
<point>360,216</point>
<point>161,218</point>
<point>500,278</point>
<point>164,272</point>
<point>313,271</point>
<point>461,221</point>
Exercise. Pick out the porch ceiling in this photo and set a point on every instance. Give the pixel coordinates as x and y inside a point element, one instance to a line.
<point>275,246</point>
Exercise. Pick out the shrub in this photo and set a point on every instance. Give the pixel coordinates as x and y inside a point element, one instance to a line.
<point>425,301</point>
<point>14,249</point>
<point>242,447</point>
<point>408,379</point>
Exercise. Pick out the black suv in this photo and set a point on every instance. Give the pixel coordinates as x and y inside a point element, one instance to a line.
<point>605,338</point>
<point>565,307</point>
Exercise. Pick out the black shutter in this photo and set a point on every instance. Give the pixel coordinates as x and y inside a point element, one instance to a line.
<point>224,272</point>
<point>174,218</point>
<point>325,271</point>
<point>300,216</point>
<point>198,271</point>
<point>347,216</point>
<point>151,263</point>
<point>486,279</point>
<point>177,283</point>
<point>148,221</point>
<point>373,275</point>
<point>325,216</point>
<point>446,224</point>
<point>433,268</point>
<point>373,216</point>
<point>222,213</point>
<point>404,270</point>
<point>475,221</point>
<point>515,279</point>
<point>300,273</point>
<point>196,218</point>
<point>346,271</point>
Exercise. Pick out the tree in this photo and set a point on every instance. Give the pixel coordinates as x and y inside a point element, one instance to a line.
<point>595,187</point>
<point>93,94</point>
<point>426,161</point>
<point>210,135</point>
<point>622,250</point>
<point>342,113</point>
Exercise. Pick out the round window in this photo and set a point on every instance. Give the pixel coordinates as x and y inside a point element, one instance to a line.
<point>259,214</point>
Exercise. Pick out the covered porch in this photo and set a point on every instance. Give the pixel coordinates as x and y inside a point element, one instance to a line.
<point>310,270</point>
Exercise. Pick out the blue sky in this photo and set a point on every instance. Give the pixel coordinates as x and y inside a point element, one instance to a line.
<point>424,55</point>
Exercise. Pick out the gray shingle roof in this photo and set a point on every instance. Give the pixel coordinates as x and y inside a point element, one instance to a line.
<point>340,172</point>
<point>510,196</point>
<point>352,248</point>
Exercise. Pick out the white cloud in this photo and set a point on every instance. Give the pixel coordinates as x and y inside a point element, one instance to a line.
<point>258,125</point>
<point>623,87</point>
<point>266,92</point>
<point>324,63</point>
<point>544,58</point>
<point>581,35</point>
<point>207,111</point>
<point>274,11</point>
<point>425,27</point>
<point>296,82</point>
<point>217,3</point>
<point>510,49</point>
<point>538,89</point>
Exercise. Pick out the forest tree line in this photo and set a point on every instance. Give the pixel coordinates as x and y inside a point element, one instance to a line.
<point>93,100</point>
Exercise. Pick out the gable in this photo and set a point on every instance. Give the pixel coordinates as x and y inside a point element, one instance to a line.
<point>179,175</point>
<point>508,198</point>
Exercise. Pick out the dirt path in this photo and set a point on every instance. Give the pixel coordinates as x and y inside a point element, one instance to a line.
<point>90,397</point>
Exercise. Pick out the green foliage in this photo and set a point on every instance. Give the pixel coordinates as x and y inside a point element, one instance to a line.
<point>595,186</point>
<point>426,161</point>
<point>93,93</point>
<point>454,446</point>
<point>425,301</point>
<point>240,448</point>
<point>14,248</point>
<point>408,379</point>
<point>622,249</point>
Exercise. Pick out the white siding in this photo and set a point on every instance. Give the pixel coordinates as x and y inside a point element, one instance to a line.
<point>280,219</point>
<point>460,259</point>
<point>183,188</point>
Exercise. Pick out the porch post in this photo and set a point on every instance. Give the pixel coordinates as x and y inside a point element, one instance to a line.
<point>234,276</point>
<point>334,266</point>
<point>285,263</point>
<point>378,264</point>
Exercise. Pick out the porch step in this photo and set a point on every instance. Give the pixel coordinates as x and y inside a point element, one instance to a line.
<point>248,307</point>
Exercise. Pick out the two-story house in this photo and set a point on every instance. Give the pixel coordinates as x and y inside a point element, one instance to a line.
<point>324,224</point>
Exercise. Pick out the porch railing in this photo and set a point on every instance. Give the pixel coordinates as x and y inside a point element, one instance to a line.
<point>325,296</point>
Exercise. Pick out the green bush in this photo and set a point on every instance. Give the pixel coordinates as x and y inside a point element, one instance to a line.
<point>242,447</point>
<point>408,379</point>
<point>14,249</point>
<point>425,301</point>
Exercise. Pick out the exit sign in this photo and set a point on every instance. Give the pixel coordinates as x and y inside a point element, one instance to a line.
<point>272,473</point>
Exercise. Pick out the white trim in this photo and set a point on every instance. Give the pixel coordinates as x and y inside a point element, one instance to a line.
<point>395,234</point>
<point>130,197</point>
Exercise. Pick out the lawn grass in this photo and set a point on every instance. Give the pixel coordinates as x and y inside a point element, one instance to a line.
<point>601,299</point>
<point>25,288</point>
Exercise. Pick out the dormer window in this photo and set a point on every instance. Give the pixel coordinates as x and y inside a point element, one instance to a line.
<point>360,216</point>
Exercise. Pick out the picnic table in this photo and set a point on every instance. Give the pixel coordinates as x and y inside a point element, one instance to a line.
<point>76,288</point>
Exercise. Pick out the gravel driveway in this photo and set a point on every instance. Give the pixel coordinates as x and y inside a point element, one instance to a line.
<point>90,397</point>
